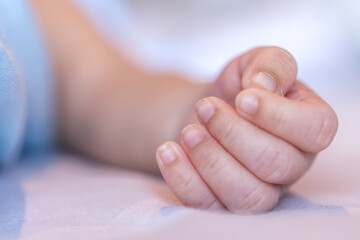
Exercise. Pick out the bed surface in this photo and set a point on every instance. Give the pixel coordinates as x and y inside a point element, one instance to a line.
<point>67,197</point>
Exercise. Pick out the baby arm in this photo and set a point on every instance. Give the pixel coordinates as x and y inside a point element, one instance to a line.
<point>108,108</point>
<point>243,158</point>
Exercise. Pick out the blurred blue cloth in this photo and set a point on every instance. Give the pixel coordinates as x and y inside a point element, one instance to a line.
<point>12,105</point>
<point>26,94</point>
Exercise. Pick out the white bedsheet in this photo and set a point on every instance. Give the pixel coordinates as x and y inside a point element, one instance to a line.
<point>67,197</point>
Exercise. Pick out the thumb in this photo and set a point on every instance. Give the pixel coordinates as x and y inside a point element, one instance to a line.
<point>270,68</point>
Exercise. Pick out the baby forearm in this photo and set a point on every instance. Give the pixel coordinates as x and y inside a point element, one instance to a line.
<point>127,115</point>
<point>108,108</point>
<point>127,119</point>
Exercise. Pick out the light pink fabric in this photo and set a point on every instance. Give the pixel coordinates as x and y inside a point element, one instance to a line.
<point>72,198</point>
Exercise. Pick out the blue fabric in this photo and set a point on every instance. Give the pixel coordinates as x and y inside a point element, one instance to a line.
<point>12,106</point>
<point>22,41</point>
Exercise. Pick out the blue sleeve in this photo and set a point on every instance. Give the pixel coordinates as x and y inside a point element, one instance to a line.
<point>26,88</point>
<point>12,105</point>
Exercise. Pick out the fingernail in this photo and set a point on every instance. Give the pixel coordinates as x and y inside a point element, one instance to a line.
<point>205,110</point>
<point>192,136</point>
<point>265,81</point>
<point>248,104</point>
<point>166,154</point>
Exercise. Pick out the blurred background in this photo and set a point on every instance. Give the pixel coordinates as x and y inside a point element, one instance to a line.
<point>198,37</point>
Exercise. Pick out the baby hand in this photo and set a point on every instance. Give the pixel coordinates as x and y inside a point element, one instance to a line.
<point>243,157</point>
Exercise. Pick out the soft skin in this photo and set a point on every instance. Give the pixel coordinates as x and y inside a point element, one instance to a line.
<point>247,149</point>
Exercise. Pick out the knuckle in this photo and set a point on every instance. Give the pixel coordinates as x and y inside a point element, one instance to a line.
<point>262,203</point>
<point>201,201</point>
<point>265,199</point>
<point>281,118</point>
<point>322,132</point>
<point>260,199</point>
<point>273,166</point>
<point>186,184</point>
<point>229,131</point>
<point>206,203</point>
<point>213,164</point>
